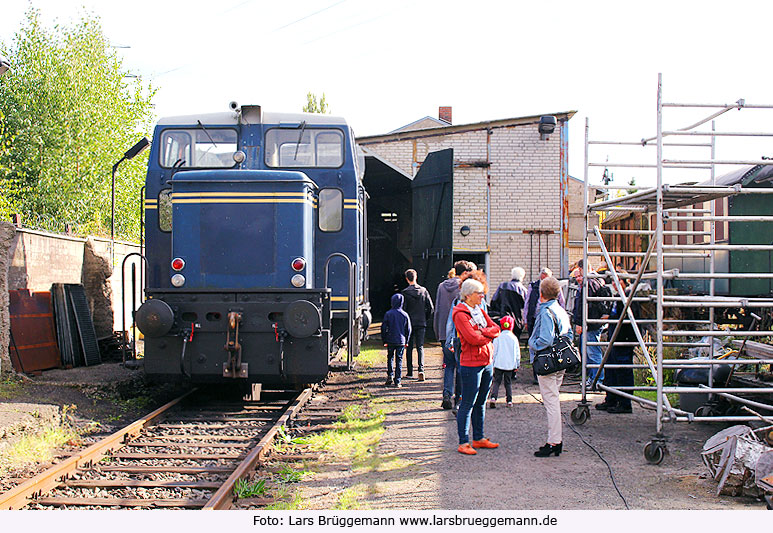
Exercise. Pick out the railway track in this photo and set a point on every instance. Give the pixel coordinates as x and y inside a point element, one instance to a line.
<point>188,454</point>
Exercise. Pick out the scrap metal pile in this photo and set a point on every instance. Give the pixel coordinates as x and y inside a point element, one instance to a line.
<point>741,460</point>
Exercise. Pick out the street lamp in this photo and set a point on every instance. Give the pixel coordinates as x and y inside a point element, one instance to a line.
<point>130,153</point>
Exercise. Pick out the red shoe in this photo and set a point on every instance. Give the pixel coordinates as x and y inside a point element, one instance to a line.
<point>466,449</point>
<point>484,443</point>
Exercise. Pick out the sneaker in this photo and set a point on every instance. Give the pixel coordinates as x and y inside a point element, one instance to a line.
<point>466,449</point>
<point>398,385</point>
<point>509,404</point>
<point>388,383</point>
<point>447,403</point>
<point>484,443</point>
<point>421,376</point>
<point>619,409</point>
<point>492,404</point>
<point>604,406</point>
<point>409,375</point>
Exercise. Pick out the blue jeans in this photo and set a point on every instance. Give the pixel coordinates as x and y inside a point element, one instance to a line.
<point>476,382</point>
<point>395,352</point>
<point>417,339</point>
<point>451,373</point>
<point>594,354</point>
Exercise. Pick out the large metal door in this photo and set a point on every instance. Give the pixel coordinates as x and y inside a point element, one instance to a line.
<point>433,202</point>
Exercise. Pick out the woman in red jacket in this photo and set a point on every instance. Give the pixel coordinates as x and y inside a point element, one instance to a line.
<point>476,331</point>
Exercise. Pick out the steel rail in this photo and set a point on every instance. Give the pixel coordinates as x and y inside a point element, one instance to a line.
<point>20,496</point>
<point>223,497</point>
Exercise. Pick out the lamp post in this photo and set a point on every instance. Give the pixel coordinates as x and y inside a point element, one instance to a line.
<point>130,154</point>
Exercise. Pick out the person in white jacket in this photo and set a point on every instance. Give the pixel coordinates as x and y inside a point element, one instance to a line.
<point>507,359</point>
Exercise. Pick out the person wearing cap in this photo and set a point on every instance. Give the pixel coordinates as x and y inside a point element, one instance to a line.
<point>507,359</point>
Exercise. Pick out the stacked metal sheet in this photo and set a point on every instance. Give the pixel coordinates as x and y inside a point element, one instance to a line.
<point>74,326</point>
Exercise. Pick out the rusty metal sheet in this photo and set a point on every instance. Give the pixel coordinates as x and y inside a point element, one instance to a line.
<point>33,345</point>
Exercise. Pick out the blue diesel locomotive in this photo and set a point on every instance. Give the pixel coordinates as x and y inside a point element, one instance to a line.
<point>256,247</point>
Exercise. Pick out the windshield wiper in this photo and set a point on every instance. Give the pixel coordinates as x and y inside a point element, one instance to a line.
<point>300,137</point>
<point>208,135</point>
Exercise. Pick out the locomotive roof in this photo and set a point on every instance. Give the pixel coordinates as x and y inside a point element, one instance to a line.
<point>227,118</point>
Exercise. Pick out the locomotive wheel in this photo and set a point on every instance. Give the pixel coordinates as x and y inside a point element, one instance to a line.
<point>580,415</point>
<point>654,452</point>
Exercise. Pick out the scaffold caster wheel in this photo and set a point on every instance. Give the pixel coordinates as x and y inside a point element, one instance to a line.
<point>704,410</point>
<point>655,452</point>
<point>580,414</point>
<point>769,437</point>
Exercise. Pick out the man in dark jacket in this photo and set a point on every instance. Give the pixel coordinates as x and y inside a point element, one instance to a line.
<point>596,310</point>
<point>418,305</point>
<point>509,299</point>
<point>395,332</point>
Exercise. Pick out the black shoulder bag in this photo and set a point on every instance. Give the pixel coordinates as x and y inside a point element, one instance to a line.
<point>561,355</point>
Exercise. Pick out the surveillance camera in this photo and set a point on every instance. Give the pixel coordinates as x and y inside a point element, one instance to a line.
<point>234,105</point>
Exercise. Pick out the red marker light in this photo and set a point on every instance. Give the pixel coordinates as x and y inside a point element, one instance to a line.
<point>178,264</point>
<point>299,264</point>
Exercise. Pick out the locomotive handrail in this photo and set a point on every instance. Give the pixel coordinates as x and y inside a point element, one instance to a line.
<point>350,320</point>
<point>123,302</point>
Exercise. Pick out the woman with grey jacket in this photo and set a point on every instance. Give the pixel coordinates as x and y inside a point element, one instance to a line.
<point>549,314</point>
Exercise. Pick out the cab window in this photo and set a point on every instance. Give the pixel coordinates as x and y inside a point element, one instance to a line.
<point>198,148</point>
<point>304,147</point>
<point>331,209</point>
<point>165,210</point>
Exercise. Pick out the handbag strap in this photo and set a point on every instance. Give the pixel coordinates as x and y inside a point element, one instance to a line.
<point>556,331</point>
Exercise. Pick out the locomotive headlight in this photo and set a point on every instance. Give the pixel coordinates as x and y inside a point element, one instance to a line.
<point>178,280</point>
<point>298,280</point>
<point>299,263</point>
<point>178,264</point>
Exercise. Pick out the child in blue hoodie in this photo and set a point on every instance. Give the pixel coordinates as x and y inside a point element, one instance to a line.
<point>395,331</point>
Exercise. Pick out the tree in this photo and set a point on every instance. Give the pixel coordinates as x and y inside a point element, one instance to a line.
<point>69,112</point>
<point>312,106</point>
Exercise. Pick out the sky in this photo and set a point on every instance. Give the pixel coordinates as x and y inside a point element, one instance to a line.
<point>384,64</point>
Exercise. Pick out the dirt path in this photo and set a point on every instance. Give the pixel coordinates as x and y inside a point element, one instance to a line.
<point>434,476</point>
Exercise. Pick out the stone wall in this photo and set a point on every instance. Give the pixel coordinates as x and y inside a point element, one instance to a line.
<point>7,234</point>
<point>525,174</point>
<point>37,259</point>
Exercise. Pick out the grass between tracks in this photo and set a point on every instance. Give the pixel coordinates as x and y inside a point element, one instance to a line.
<point>351,446</point>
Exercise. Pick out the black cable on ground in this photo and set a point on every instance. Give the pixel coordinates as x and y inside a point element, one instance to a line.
<point>589,445</point>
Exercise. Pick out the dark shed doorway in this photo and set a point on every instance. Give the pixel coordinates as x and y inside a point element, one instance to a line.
<point>409,225</point>
<point>389,229</point>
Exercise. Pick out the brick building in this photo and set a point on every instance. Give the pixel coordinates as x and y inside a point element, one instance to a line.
<point>507,187</point>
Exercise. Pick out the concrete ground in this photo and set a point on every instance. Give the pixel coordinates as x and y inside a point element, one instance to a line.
<point>436,476</point>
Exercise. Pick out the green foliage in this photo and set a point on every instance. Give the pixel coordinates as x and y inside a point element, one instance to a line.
<point>69,112</point>
<point>244,488</point>
<point>313,106</point>
<point>288,474</point>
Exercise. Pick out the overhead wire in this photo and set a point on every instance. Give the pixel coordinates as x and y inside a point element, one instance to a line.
<point>589,445</point>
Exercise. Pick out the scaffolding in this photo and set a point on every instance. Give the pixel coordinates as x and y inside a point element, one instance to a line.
<point>670,203</point>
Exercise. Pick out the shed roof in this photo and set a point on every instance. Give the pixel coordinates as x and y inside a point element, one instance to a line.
<point>461,128</point>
